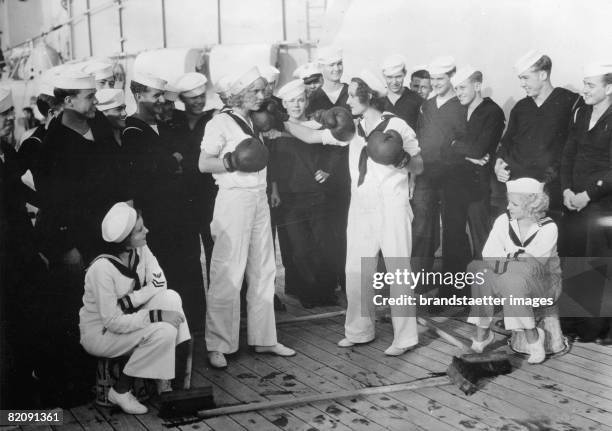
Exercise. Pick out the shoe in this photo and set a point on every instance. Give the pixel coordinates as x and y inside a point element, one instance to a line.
<point>345,343</point>
<point>536,350</point>
<point>397,351</point>
<point>128,402</point>
<point>277,349</point>
<point>217,360</point>
<point>479,346</point>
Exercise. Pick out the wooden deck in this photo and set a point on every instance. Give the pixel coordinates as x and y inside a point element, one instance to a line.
<point>571,392</point>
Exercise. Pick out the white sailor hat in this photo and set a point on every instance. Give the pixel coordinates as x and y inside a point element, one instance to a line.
<point>171,93</point>
<point>242,81</point>
<point>525,185</point>
<point>99,70</point>
<point>74,79</point>
<point>440,65</point>
<point>462,74</point>
<point>597,68</point>
<point>6,99</point>
<point>223,84</point>
<point>328,54</point>
<point>118,222</point>
<point>46,82</point>
<point>307,71</point>
<point>109,98</point>
<point>393,64</point>
<point>191,84</point>
<point>374,82</point>
<point>292,89</point>
<point>150,80</point>
<point>270,73</point>
<point>527,60</point>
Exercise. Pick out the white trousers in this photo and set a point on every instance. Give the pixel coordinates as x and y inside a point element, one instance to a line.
<point>385,227</point>
<point>242,246</point>
<point>152,347</point>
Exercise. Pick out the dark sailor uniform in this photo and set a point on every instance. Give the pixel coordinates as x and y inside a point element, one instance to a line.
<point>444,184</point>
<point>534,139</point>
<point>157,183</point>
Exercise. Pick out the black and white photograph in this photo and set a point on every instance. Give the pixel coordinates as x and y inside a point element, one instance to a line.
<point>230,215</point>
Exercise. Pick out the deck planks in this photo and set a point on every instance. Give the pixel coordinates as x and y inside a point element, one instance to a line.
<point>568,392</point>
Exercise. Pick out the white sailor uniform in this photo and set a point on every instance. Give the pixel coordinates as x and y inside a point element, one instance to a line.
<point>115,317</point>
<point>379,220</point>
<point>538,277</point>
<point>242,246</point>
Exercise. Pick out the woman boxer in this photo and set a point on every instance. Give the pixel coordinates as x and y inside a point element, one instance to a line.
<point>379,212</point>
<point>128,308</point>
<point>520,262</point>
<point>240,227</point>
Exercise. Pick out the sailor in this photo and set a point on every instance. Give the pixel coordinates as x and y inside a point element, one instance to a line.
<point>442,120</point>
<point>74,171</point>
<point>111,102</point>
<point>400,100</point>
<point>128,308</point>
<point>22,273</point>
<point>192,123</point>
<point>76,186</point>
<point>156,184</point>
<point>537,129</point>
<point>31,141</point>
<point>420,83</point>
<point>333,92</point>
<point>520,263</point>
<point>301,171</point>
<point>379,214</point>
<point>234,153</point>
<point>586,181</point>
<point>485,125</point>
<point>102,72</point>
<point>7,115</point>
<point>312,77</point>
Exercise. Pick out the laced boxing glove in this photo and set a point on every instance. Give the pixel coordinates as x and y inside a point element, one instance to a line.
<point>250,155</point>
<point>339,121</point>
<point>386,148</point>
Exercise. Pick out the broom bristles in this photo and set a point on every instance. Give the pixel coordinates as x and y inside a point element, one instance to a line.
<point>467,370</point>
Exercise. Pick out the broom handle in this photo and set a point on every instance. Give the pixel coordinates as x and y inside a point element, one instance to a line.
<point>433,381</point>
<point>446,335</point>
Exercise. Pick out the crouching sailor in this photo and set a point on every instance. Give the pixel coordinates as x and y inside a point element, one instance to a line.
<point>127,308</point>
<point>520,265</point>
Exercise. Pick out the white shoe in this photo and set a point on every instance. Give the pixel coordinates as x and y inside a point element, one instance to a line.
<point>479,346</point>
<point>396,351</point>
<point>217,360</point>
<point>128,402</point>
<point>536,350</point>
<point>277,349</point>
<point>345,343</point>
